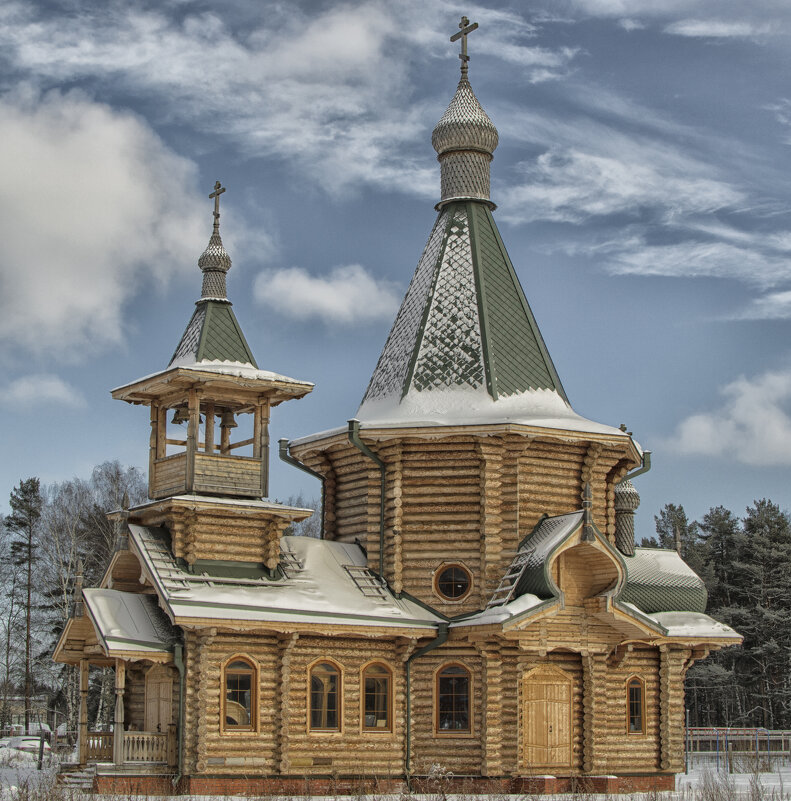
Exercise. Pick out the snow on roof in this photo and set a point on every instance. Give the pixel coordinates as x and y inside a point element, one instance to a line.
<point>235,369</point>
<point>693,624</point>
<point>464,406</point>
<point>128,621</point>
<point>243,503</point>
<point>500,614</point>
<point>319,584</point>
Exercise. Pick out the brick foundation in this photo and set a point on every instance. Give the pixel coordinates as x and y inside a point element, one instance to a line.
<point>355,785</point>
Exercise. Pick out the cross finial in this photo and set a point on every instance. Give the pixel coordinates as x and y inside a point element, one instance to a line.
<point>218,190</point>
<point>465,28</point>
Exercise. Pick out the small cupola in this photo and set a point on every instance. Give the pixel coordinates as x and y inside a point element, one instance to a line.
<point>465,138</point>
<point>214,386</point>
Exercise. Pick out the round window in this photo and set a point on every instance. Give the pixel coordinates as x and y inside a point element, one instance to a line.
<point>453,582</point>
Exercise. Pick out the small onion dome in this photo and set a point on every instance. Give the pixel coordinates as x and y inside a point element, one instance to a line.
<point>627,499</point>
<point>464,125</point>
<point>215,257</point>
<point>215,263</point>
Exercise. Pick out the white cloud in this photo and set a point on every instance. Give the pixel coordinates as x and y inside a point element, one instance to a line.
<point>328,90</point>
<point>717,28</point>
<point>631,24</point>
<point>752,426</point>
<point>772,306</point>
<point>698,259</point>
<point>570,185</point>
<point>92,205</point>
<point>346,295</point>
<point>40,389</point>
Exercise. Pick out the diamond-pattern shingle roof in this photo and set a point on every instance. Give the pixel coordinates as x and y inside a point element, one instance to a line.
<point>465,321</point>
<point>213,334</point>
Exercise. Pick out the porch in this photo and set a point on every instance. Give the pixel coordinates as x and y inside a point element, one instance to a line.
<point>130,639</point>
<point>130,748</point>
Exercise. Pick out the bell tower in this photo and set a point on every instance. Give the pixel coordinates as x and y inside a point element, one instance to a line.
<point>214,386</point>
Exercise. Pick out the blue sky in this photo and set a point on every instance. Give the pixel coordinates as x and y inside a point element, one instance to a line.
<point>642,180</point>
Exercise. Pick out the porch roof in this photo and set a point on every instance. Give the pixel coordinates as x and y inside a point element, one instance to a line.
<point>128,623</point>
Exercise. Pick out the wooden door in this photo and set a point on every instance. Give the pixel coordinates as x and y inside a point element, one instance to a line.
<point>159,699</point>
<point>546,719</point>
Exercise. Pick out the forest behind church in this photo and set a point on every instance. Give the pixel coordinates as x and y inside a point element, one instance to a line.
<point>56,532</point>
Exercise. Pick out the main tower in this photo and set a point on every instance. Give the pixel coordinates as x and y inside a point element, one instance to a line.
<point>465,436</point>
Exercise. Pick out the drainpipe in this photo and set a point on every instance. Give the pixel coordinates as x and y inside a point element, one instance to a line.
<point>178,660</point>
<point>644,468</point>
<point>289,459</point>
<point>354,438</point>
<point>442,636</point>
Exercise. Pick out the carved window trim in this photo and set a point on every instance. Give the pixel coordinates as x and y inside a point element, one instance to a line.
<point>635,705</point>
<point>376,729</point>
<point>312,672</point>
<point>470,730</point>
<point>228,670</point>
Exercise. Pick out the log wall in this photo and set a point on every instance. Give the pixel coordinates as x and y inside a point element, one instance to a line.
<point>282,743</point>
<point>462,499</point>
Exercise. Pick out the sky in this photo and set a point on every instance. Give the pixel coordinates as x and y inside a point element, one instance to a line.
<point>642,184</point>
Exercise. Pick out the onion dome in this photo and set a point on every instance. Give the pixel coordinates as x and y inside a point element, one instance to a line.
<point>465,139</point>
<point>215,261</point>
<point>464,125</point>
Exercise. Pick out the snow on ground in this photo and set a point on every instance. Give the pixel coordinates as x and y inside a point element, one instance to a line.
<point>21,781</point>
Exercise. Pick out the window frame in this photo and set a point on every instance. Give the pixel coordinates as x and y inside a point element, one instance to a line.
<point>339,668</point>
<point>447,598</point>
<point>230,728</point>
<point>390,680</point>
<point>638,681</point>
<point>470,730</point>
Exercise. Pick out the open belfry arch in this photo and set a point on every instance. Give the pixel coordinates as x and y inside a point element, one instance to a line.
<point>475,600</point>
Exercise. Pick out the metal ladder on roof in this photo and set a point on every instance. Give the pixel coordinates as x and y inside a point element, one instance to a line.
<point>509,582</point>
<point>290,563</point>
<point>162,560</point>
<point>369,584</point>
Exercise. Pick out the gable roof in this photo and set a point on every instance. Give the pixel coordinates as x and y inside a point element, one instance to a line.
<point>319,580</point>
<point>129,622</point>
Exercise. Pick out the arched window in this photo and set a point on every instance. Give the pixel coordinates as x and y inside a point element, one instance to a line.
<point>239,701</point>
<point>453,699</point>
<point>376,686</point>
<point>635,706</point>
<point>325,697</point>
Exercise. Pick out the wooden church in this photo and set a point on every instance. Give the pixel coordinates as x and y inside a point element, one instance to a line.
<point>475,607</point>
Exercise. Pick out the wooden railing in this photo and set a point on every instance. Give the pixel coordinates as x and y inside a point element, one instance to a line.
<point>145,746</point>
<point>138,746</point>
<point>100,746</point>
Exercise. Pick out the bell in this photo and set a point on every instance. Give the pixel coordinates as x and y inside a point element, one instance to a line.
<point>181,415</point>
<point>227,420</point>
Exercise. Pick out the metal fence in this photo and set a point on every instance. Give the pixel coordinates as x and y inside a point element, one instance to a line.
<point>737,750</point>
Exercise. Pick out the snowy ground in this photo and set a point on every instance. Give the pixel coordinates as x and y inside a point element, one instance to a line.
<point>21,781</point>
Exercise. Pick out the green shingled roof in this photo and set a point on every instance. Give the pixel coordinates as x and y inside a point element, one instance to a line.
<point>465,321</point>
<point>213,334</point>
<point>658,580</point>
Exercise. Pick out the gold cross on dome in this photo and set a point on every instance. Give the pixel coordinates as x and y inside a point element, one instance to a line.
<point>466,28</point>
<point>218,190</point>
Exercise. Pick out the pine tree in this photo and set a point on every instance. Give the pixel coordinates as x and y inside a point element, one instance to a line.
<point>760,605</point>
<point>26,506</point>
